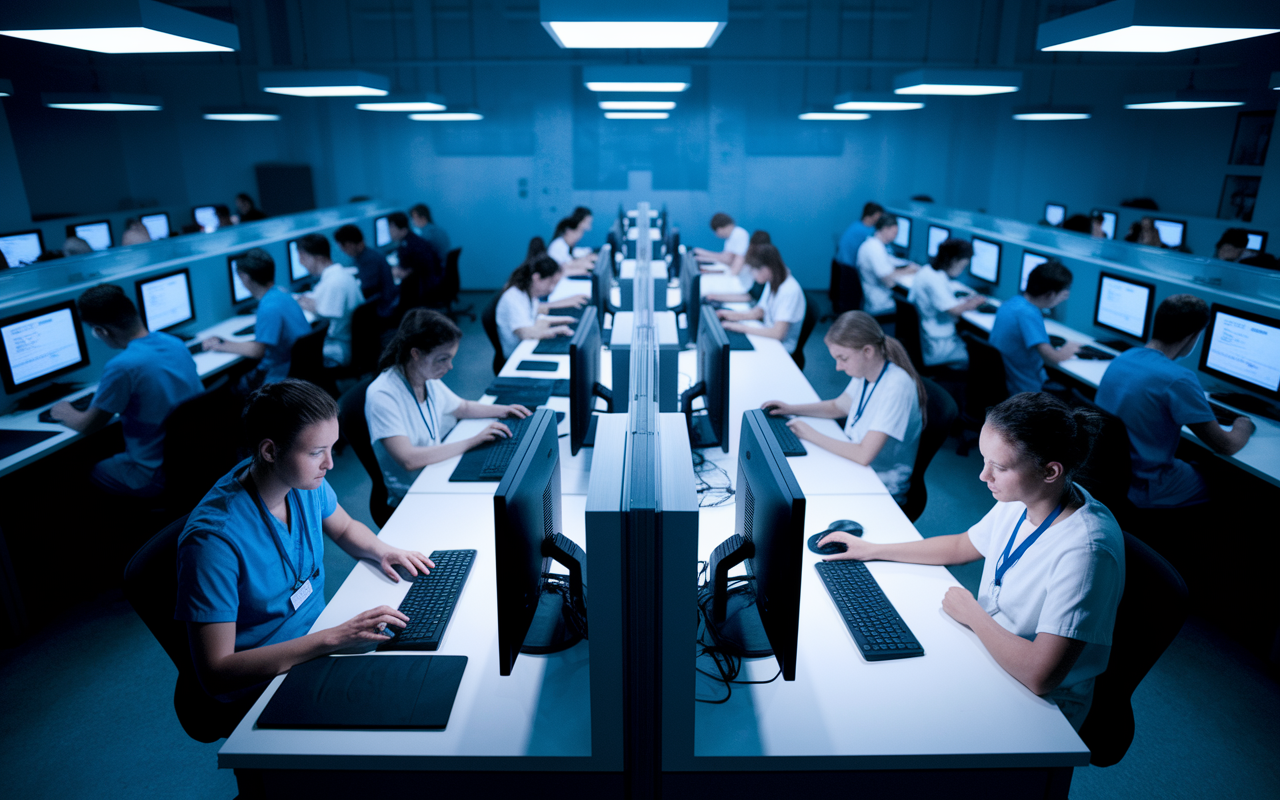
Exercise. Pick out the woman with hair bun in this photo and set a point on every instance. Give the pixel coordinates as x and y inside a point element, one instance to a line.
<point>1054,570</point>
<point>883,405</point>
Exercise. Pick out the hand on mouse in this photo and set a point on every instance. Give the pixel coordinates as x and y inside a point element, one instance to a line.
<point>855,548</point>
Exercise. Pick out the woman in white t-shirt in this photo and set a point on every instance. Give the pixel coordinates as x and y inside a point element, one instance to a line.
<point>781,306</point>
<point>518,308</point>
<point>1054,570</point>
<point>409,409</point>
<point>934,295</point>
<point>569,231</point>
<point>883,406</point>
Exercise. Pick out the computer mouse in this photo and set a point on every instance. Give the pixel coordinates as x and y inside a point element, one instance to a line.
<point>831,548</point>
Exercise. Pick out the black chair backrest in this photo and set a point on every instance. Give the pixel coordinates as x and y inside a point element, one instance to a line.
<point>1154,607</point>
<point>355,428</point>
<point>987,385</point>
<point>306,359</point>
<point>1108,473</point>
<point>489,319</point>
<point>850,288</point>
<point>452,279</point>
<point>940,413</point>
<point>366,338</point>
<point>907,331</point>
<point>833,287</point>
<point>806,329</point>
<point>201,444</point>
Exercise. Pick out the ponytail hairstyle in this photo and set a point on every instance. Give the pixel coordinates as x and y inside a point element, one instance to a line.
<point>544,266</point>
<point>279,411</point>
<point>1045,429</point>
<point>426,330</point>
<point>536,248</point>
<point>857,329</point>
<point>766,256</point>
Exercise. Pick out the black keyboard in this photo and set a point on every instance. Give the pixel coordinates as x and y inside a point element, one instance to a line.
<point>878,630</point>
<point>987,308</point>
<point>430,601</point>
<point>1088,351</point>
<point>788,441</point>
<point>196,347</point>
<point>1225,416</point>
<point>1119,345</point>
<point>499,452</point>
<point>245,331</point>
<point>739,341</point>
<point>1249,403</point>
<point>79,404</point>
<point>558,346</point>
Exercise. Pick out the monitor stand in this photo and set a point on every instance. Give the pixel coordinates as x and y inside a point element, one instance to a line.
<point>734,617</point>
<point>590,439</point>
<point>700,433</point>
<point>555,625</point>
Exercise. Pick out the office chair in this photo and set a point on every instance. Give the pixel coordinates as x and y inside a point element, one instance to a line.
<point>489,319</point>
<point>1152,610</point>
<point>833,286</point>
<point>150,586</point>
<point>986,387</point>
<point>1108,473</point>
<point>200,445</point>
<point>940,413</point>
<point>453,286</point>
<point>306,358</point>
<point>850,289</point>
<point>908,332</point>
<point>355,429</point>
<point>366,339</point>
<point>806,328</point>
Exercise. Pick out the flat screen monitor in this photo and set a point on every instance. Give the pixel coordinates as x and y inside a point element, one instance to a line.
<point>381,232</point>
<point>297,272</point>
<point>1257,241</point>
<point>691,295</point>
<point>1030,261</point>
<point>937,235</point>
<point>1054,213</point>
<point>1243,348</point>
<point>903,239</point>
<point>21,248</point>
<point>602,282</point>
<point>761,615</point>
<point>985,264</point>
<point>538,612</point>
<point>96,234</point>
<point>1124,305</point>
<point>711,427</point>
<point>584,381</point>
<point>157,225</point>
<point>239,293</point>
<point>165,300</point>
<point>1172,233</point>
<point>206,217</point>
<point>41,344</point>
<point>1108,222</point>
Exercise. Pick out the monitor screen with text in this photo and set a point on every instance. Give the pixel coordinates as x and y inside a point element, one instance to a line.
<point>985,264</point>
<point>1243,348</point>
<point>97,234</point>
<point>1029,262</point>
<point>157,225</point>
<point>1123,305</point>
<point>165,300</point>
<point>937,235</point>
<point>41,344</point>
<point>21,248</point>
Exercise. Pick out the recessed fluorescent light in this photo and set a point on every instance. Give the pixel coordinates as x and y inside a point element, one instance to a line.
<point>1050,116</point>
<point>1183,105</point>
<point>866,101</point>
<point>960,82</point>
<point>325,83</point>
<point>637,78</point>
<point>448,116</point>
<point>636,115</point>
<point>832,116</point>
<point>103,101</point>
<point>241,116</point>
<point>1182,100</point>
<point>404,106</point>
<point>1156,26</point>
<point>637,105</point>
<point>635,86</point>
<point>653,24</point>
<point>119,26</point>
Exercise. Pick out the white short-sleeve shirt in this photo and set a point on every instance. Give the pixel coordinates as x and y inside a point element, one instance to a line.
<point>874,263</point>
<point>1068,583</point>
<point>336,295</point>
<point>737,243</point>
<point>786,306</point>
<point>516,309</point>
<point>392,410</point>
<point>559,251</point>
<point>934,295</point>
<point>893,408</point>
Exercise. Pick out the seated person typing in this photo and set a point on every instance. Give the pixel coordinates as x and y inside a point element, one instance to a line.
<point>518,308</point>
<point>420,269</point>
<point>279,324</point>
<point>1155,396</point>
<point>569,231</point>
<point>879,270</point>
<point>934,295</point>
<point>251,557</point>
<point>409,409</point>
<point>1019,334</point>
<point>733,256</point>
<point>374,272</point>
<point>1054,571</point>
<point>334,297</point>
<point>148,379</point>
<point>883,405</point>
<point>857,233</point>
<point>781,307</point>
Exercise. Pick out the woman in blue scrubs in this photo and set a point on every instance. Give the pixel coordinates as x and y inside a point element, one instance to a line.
<point>251,558</point>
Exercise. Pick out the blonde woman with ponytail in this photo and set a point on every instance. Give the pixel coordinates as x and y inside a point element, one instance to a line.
<point>883,405</point>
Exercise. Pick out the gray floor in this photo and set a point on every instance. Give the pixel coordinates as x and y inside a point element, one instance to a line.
<point>86,711</point>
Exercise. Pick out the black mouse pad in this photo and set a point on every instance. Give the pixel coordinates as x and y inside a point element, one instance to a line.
<point>538,366</point>
<point>15,441</point>
<point>385,692</point>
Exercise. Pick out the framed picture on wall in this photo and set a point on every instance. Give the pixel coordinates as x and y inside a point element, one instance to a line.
<point>1239,193</point>
<point>1253,134</point>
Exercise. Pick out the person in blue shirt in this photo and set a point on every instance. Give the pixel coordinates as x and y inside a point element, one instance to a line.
<point>279,324</point>
<point>1019,334</point>
<point>857,233</point>
<point>251,556</point>
<point>148,379</point>
<point>1155,396</point>
<point>376,279</point>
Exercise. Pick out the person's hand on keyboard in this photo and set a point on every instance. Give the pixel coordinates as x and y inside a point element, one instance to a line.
<point>493,432</point>
<point>213,343</point>
<point>555,326</point>
<point>576,301</point>
<point>803,430</point>
<point>412,561</point>
<point>368,626</point>
<point>514,411</point>
<point>960,603</point>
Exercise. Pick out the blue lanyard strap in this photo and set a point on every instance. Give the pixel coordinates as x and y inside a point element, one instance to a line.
<point>300,576</point>
<point>864,399</point>
<point>426,394</point>
<point>1006,560</point>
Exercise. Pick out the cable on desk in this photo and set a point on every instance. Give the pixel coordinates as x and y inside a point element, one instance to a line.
<point>725,655</point>
<point>711,494</point>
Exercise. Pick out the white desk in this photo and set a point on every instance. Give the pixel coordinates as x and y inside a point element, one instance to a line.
<point>541,709</point>
<point>954,706</point>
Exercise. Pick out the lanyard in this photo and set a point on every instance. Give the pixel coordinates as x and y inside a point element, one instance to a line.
<point>864,399</point>
<point>1006,560</point>
<point>300,576</point>
<point>426,393</point>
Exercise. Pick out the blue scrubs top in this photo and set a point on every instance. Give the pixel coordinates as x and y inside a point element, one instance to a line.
<point>280,323</point>
<point>230,568</point>
<point>1018,330</point>
<point>850,241</point>
<point>1154,397</point>
<point>142,384</point>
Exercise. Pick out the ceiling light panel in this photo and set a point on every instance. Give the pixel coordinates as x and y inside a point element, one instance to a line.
<point>103,101</point>
<point>403,106</point>
<point>681,24</point>
<point>636,115</point>
<point>867,101</point>
<point>637,78</point>
<point>448,116</point>
<point>833,116</point>
<point>637,105</point>
<point>1183,100</point>
<point>325,83</point>
<point>118,26</point>
<point>1157,26</point>
<point>957,82</point>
